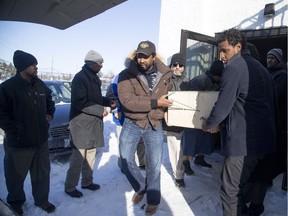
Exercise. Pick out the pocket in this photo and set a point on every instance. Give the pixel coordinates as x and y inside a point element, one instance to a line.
<point>83,121</point>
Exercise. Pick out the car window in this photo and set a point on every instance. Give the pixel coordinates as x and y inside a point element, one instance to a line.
<point>67,84</point>
<point>60,93</point>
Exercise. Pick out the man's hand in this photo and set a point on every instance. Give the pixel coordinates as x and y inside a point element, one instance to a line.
<point>163,102</point>
<point>206,129</point>
<point>48,117</point>
<point>105,113</point>
<point>113,104</point>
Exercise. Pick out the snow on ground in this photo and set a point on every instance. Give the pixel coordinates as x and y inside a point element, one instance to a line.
<point>199,198</point>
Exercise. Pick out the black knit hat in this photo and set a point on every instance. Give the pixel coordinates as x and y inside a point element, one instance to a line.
<point>217,68</point>
<point>178,58</point>
<point>22,60</point>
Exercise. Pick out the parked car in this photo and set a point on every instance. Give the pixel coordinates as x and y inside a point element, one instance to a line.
<point>59,138</point>
<point>67,83</point>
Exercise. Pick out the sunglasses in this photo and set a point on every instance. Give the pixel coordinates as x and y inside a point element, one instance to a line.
<point>180,65</point>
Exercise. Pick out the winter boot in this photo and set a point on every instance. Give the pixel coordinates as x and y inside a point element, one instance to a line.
<point>199,160</point>
<point>187,168</point>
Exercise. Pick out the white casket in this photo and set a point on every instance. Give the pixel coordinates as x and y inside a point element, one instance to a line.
<point>189,106</point>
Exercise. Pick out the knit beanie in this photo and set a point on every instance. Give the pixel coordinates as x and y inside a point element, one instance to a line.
<point>217,68</point>
<point>278,53</point>
<point>22,60</point>
<point>93,56</point>
<point>178,58</point>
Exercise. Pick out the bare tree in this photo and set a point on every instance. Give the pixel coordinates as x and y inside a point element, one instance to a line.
<point>7,70</point>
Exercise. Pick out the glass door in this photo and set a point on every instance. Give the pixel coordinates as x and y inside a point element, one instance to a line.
<point>200,51</point>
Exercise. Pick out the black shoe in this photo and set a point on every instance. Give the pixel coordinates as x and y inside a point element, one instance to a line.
<point>255,209</point>
<point>270,184</point>
<point>187,168</point>
<point>142,167</point>
<point>75,193</point>
<point>179,183</point>
<point>47,206</point>
<point>199,160</point>
<point>17,208</point>
<point>92,187</point>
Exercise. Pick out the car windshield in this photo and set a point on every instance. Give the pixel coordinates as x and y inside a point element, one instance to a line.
<point>60,93</point>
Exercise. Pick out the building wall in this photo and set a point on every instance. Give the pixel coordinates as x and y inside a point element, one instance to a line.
<point>209,17</point>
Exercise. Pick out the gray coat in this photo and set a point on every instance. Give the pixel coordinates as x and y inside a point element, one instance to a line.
<point>245,108</point>
<point>87,106</point>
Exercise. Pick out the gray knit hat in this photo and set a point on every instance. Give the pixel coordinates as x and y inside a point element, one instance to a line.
<point>278,53</point>
<point>93,56</point>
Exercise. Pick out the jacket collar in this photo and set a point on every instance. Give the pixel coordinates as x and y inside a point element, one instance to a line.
<point>160,66</point>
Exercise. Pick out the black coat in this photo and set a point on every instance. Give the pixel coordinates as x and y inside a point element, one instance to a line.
<point>23,110</point>
<point>279,75</point>
<point>87,106</point>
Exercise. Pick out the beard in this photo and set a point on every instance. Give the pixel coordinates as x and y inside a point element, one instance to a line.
<point>177,73</point>
<point>33,76</point>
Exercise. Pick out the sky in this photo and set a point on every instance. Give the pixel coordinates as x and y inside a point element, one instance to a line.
<point>200,197</point>
<point>114,33</point>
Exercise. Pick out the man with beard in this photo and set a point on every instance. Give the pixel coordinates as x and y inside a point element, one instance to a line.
<point>26,108</point>
<point>142,89</point>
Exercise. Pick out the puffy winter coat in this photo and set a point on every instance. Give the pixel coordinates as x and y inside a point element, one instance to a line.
<point>23,110</point>
<point>134,94</point>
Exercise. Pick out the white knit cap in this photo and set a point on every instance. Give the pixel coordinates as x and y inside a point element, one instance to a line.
<point>94,56</point>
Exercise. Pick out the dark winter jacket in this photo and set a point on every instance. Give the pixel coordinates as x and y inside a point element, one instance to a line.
<point>272,165</point>
<point>138,102</point>
<point>87,106</point>
<point>23,109</point>
<point>279,75</point>
<point>245,108</point>
<point>203,82</point>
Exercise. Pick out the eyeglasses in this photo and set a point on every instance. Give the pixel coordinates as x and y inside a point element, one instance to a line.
<point>175,65</point>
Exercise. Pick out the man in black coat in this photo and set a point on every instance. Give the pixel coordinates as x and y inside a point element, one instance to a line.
<point>86,124</point>
<point>26,108</point>
<point>276,163</point>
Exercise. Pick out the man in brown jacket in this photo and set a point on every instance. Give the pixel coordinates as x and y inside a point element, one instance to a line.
<point>142,90</point>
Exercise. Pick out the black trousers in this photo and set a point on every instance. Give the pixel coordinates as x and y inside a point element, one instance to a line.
<point>269,167</point>
<point>17,163</point>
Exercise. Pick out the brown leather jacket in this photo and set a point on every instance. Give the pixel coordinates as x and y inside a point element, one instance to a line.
<point>136,98</point>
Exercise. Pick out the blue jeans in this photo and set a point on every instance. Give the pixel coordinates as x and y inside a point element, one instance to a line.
<point>153,141</point>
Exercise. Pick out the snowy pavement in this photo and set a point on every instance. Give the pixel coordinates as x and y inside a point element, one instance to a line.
<point>200,197</point>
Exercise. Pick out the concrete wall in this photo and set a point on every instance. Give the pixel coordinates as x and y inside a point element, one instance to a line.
<point>209,17</point>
